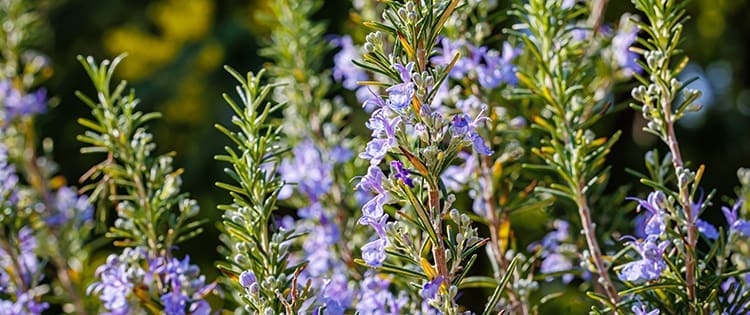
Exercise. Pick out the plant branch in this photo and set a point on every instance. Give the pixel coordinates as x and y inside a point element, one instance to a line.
<point>495,223</point>
<point>589,233</point>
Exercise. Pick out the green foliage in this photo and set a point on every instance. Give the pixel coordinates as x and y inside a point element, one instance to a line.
<point>253,239</point>
<point>152,212</point>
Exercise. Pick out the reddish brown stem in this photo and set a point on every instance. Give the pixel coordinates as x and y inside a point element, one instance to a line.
<point>686,204</point>
<point>588,231</point>
<point>438,250</point>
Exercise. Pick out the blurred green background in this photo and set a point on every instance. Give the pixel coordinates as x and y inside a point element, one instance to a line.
<point>176,50</point>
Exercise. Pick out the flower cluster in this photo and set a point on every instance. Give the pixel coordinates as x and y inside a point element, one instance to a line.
<point>126,279</point>
<point>556,251</point>
<point>16,104</point>
<point>490,67</point>
<point>651,249</point>
<point>345,71</point>
<point>8,178</point>
<point>373,214</point>
<point>69,207</point>
<point>375,298</point>
<point>20,270</point>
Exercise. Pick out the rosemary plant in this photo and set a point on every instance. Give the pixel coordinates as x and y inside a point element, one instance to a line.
<point>153,216</point>
<point>257,243</point>
<point>468,131</point>
<point>701,279</point>
<point>320,164</point>
<point>570,149</point>
<point>429,242</point>
<point>45,225</point>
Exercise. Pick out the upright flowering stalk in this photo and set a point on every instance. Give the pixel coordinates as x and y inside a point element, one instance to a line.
<point>261,278</point>
<point>21,271</point>
<point>153,216</point>
<point>42,218</point>
<point>664,99</point>
<point>481,78</point>
<point>317,170</point>
<point>566,91</point>
<point>429,242</point>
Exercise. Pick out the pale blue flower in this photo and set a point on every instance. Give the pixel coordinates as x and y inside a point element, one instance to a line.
<point>624,38</point>
<point>374,298</point>
<point>308,170</point>
<point>463,127</point>
<point>25,304</point>
<point>15,104</point>
<point>498,68</point>
<point>736,224</point>
<point>373,253</point>
<point>641,310</point>
<point>707,229</point>
<point>344,69</point>
<point>649,266</point>
<point>248,280</point>
<point>655,223</point>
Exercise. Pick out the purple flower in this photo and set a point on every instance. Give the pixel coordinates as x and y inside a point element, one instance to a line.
<point>134,268</point>
<point>116,282</point>
<point>377,223</point>
<point>248,280</point>
<point>447,51</point>
<point>429,292</point>
<point>26,267</point>
<point>24,304</point>
<point>641,310</point>
<point>741,226</point>
<point>373,181</point>
<point>336,295</point>
<point>401,173</point>
<point>8,177</point>
<point>430,288</point>
<point>707,229</point>
<point>321,235</point>
<point>375,150</point>
<point>200,307</point>
<point>479,145</point>
<point>374,207</point>
<point>174,302</point>
<point>554,258</point>
<point>344,68</point>
<point>16,104</point>
<point>25,244</point>
<point>651,264</point>
<point>70,206</point>
<point>624,38</point>
<point>655,223</point>
<point>384,136</point>
<point>401,94</point>
<point>455,176</point>
<point>373,252</point>
<point>340,154</point>
<point>373,101</point>
<point>462,127</point>
<point>498,68</point>
<point>307,168</point>
<point>374,298</point>
<point>556,262</point>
